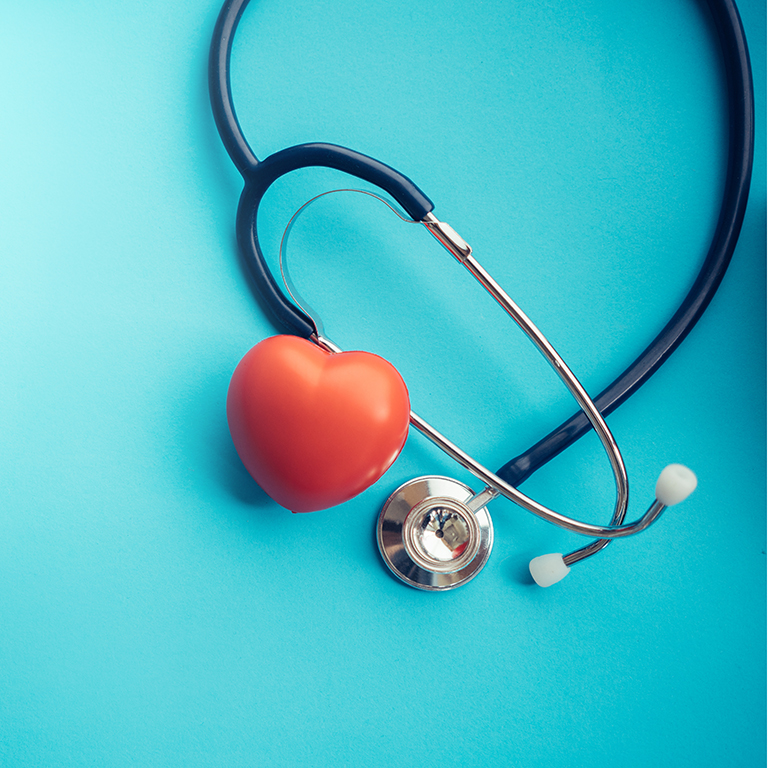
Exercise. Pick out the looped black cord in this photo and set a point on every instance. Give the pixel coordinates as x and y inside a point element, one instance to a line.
<point>740,153</point>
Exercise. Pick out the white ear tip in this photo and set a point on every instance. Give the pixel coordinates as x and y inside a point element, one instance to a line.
<point>548,569</point>
<point>675,484</point>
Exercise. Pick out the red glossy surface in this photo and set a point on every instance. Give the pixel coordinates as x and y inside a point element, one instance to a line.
<point>313,428</point>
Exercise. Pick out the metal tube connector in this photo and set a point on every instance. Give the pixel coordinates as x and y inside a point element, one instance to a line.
<point>448,237</point>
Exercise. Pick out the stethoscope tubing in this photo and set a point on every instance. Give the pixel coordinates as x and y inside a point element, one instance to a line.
<point>259,175</point>
<point>266,172</point>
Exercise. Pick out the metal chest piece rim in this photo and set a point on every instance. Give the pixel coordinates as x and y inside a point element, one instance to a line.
<point>429,538</point>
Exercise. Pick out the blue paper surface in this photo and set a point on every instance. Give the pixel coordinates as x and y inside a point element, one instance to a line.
<point>156,608</point>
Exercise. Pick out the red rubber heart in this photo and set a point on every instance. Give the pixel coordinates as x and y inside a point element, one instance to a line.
<point>313,428</point>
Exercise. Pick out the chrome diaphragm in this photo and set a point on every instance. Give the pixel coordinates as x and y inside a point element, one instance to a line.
<point>429,537</point>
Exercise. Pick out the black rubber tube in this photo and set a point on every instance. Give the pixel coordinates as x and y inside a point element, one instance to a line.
<point>220,89</point>
<point>738,176</point>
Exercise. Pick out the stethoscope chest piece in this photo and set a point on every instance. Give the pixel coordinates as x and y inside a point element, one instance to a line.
<point>429,537</point>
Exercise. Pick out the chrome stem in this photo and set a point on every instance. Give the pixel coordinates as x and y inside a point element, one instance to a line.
<point>459,248</point>
<point>495,486</point>
<point>650,517</point>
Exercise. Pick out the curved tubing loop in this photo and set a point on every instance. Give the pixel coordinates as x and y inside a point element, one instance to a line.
<point>741,141</point>
<point>260,178</point>
<point>260,175</point>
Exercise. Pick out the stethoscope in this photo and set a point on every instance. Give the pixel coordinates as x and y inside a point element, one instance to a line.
<point>434,533</point>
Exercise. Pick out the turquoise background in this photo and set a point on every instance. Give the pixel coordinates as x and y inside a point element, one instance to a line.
<point>156,608</point>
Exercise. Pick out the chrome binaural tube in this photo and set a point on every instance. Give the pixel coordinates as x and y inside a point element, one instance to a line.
<point>458,247</point>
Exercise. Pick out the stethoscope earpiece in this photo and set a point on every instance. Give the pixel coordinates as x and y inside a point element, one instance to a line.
<point>547,570</point>
<point>675,484</point>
